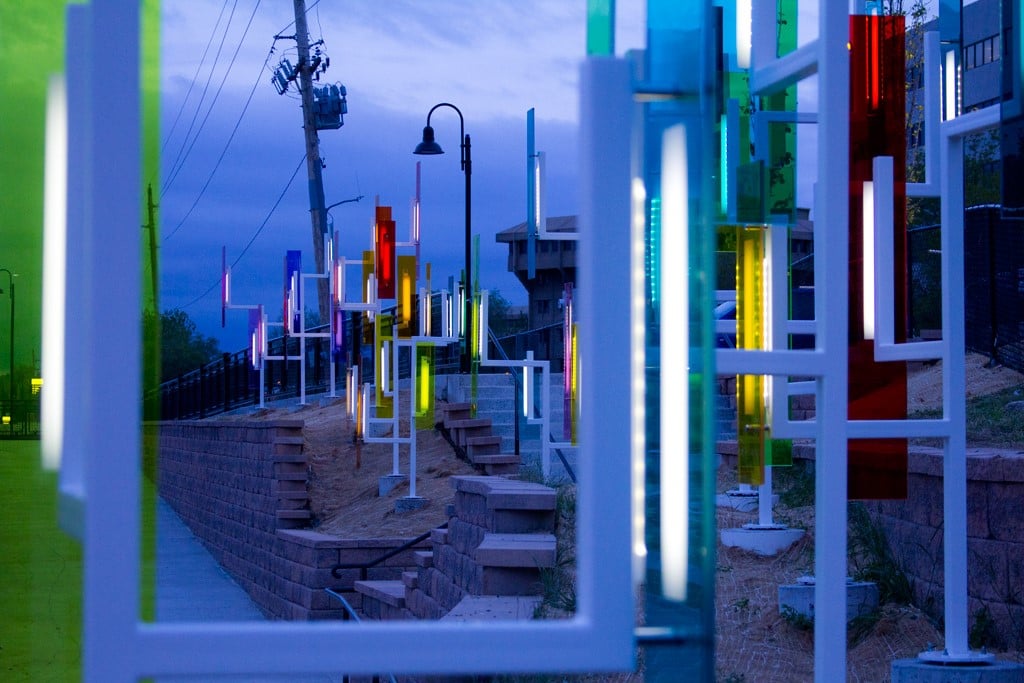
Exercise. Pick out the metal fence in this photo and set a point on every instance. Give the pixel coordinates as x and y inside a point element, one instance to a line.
<point>20,418</point>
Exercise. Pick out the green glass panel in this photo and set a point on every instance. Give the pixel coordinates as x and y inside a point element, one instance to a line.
<point>600,27</point>
<point>424,386</point>
<point>383,332</point>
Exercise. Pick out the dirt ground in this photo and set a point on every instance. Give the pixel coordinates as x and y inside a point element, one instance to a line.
<point>344,476</point>
<point>754,644</point>
<point>924,381</point>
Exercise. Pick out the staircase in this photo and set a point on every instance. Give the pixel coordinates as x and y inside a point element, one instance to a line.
<point>488,561</point>
<point>476,439</point>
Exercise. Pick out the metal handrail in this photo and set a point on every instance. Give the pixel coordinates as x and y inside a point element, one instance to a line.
<point>355,617</point>
<point>363,566</point>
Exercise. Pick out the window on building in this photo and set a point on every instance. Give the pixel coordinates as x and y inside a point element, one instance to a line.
<point>544,246</point>
<point>521,248</point>
<point>982,52</point>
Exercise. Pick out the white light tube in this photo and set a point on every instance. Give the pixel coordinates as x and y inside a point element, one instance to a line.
<point>743,26</point>
<point>868,264</point>
<point>675,382</point>
<point>55,230</point>
<point>638,341</point>
<point>951,78</point>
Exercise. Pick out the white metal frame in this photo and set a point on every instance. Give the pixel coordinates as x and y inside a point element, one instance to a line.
<point>119,648</point>
<point>827,56</point>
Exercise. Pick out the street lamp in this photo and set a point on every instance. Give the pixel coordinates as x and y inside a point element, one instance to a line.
<point>429,146</point>
<point>10,379</point>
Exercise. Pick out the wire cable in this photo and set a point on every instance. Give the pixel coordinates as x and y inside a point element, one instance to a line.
<point>292,22</point>
<point>195,77</point>
<point>227,144</point>
<point>259,230</point>
<point>178,160</point>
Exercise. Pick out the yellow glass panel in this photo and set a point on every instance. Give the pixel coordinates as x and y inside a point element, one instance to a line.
<point>750,405</point>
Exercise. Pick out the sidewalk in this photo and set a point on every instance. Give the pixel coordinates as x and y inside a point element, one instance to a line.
<point>192,586</point>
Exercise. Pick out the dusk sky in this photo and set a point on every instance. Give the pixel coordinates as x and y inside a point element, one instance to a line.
<point>494,60</point>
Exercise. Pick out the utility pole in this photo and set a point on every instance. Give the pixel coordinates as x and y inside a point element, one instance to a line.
<point>151,226</point>
<point>314,166</point>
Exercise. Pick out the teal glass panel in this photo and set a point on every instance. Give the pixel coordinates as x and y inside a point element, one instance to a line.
<point>681,195</point>
<point>600,27</point>
<point>949,21</point>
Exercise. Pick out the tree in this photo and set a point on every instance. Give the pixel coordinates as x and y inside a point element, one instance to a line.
<point>501,318</point>
<point>182,347</point>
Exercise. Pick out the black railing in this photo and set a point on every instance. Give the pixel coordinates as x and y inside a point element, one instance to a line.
<point>20,418</point>
<point>363,567</point>
<point>231,382</point>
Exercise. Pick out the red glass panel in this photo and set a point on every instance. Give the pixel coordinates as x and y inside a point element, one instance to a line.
<point>877,391</point>
<point>385,250</point>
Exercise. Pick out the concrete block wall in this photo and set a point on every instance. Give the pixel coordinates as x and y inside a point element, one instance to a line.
<point>995,537</point>
<point>483,505</point>
<point>995,532</point>
<point>242,489</point>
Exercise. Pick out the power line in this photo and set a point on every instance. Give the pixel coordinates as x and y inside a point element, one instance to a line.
<point>195,77</point>
<point>178,160</point>
<point>255,235</point>
<point>292,22</point>
<point>217,96</point>
<point>223,152</point>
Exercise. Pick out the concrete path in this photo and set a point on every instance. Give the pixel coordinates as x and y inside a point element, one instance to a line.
<point>192,586</point>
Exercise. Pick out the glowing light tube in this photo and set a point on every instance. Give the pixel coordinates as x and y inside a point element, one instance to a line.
<point>638,390</point>
<point>675,381</point>
<point>55,232</point>
<point>868,269</point>
<point>743,32</point>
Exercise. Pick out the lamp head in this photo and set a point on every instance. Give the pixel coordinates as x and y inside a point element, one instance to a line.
<point>428,146</point>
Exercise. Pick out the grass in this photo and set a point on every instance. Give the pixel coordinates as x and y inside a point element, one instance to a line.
<point>873,560</point>
<point>559,582</point>
<point>988,420</point>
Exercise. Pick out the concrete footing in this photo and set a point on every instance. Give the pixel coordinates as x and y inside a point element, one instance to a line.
<point>768,540</point>
<point>861,597</point>
<point>388,482</point>
<point>918,671</point>
<point>410,503</point>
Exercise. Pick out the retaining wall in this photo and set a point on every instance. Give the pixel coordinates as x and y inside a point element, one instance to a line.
<point>242,489</point>
<point>995,534</point>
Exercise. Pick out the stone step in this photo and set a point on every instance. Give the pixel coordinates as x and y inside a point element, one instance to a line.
<point>495,459</point>
<point>423,558</point>
<point>516,550</point>
<point>482,445</point>
<point>505,494</point>
<point>439,536</point>
<point>410,579</point>
<point>388,592</point>
<point>453,411</point>
<point>468,423</point>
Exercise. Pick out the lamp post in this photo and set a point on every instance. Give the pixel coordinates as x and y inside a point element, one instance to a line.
<point>10,378</point>
<point>429,146</point>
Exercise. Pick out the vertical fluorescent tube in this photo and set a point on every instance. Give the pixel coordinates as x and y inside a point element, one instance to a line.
<point>743,33</point>
<point>638,390</point>
<point>54,270</point>
<point>528,387</point>
<point>675,379</point>
<point>481,326</point>
<point>339,283</point>
<point>950,74</point>
<point>868,268</point>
